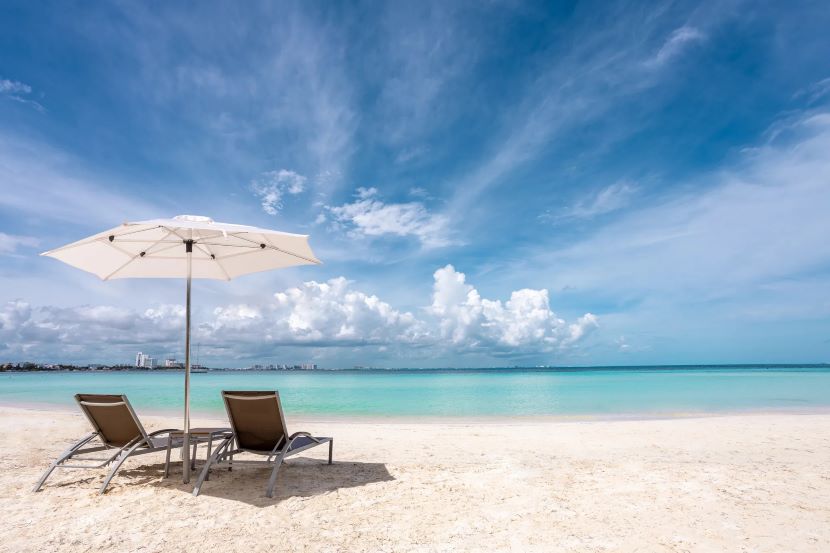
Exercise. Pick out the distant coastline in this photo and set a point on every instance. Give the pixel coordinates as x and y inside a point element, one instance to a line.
<point>62,368</point>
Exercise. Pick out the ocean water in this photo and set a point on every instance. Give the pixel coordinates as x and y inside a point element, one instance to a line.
<point>632,391</point>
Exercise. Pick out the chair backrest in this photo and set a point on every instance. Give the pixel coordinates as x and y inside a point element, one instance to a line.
<point>113,418</point>
<point>256,418</point>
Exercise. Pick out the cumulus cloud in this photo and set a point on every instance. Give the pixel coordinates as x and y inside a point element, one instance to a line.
<point>327,313</point>
<point>27,330</point>
<point>525,321</point>
<point>315,314</point>
<point>272,186</point>
<point>370,216</point>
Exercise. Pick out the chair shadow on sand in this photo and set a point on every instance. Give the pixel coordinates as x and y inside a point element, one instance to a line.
<point>299,477</point>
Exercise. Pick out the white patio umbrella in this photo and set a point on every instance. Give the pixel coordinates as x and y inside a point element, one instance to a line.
<point>186,246</point>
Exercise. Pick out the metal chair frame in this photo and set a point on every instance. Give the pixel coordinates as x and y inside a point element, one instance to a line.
<point>140,445</point>
<point>224,453</point>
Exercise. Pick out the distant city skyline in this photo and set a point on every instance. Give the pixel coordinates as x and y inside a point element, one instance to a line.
<point>487,184</point>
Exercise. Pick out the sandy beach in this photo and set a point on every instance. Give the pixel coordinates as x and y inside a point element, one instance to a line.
<point>728,483</point>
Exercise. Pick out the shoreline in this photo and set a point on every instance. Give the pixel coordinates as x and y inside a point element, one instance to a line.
<point>546,368</point>
<point>511,419</point>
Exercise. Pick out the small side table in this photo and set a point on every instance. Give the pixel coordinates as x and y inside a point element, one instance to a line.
<point>197,435</point>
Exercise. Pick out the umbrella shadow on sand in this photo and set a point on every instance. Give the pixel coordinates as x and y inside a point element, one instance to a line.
<point>297,478</point>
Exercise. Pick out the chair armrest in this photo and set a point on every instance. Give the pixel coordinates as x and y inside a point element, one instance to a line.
<point>295,435</point>
<point>165,431</point>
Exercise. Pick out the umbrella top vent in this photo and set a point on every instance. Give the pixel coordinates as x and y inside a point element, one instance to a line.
<point>193,218</point>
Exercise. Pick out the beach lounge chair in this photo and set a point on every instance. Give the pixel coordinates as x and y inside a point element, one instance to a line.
<point>121,435</point>
<point>258,426</point>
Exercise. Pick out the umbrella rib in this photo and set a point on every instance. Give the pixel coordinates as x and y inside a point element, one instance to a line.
<point>298,256</point>
<point>132,241</point>
<point>177,243</point>
<point>115,247</point>
<point>122,266</point>
<point>232,255</point>
<point>213,256</point>
<point>136,231</point>
<point>230,245</point>
<point>138,255</point>
<point>90,240</point>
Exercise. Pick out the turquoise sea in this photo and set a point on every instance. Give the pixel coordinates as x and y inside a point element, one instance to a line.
<point>629,391</point>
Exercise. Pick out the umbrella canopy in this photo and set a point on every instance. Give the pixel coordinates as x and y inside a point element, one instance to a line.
<point>159,249</point>
<point>187,246</point>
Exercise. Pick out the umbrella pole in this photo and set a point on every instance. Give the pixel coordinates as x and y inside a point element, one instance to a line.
<point>186,441</point>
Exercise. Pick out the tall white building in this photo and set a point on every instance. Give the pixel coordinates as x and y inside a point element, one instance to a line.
<point>144,361</point>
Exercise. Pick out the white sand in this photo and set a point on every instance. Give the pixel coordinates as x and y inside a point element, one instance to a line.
<point>732,483</point>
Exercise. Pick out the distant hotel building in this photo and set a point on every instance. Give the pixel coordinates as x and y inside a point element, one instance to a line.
<point>145,361</point>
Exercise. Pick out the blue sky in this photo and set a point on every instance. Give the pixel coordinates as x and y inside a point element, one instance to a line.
<point>488,183</point>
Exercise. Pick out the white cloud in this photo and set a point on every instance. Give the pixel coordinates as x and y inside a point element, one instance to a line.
<point>370,216</point>
<point>9,243</point>
<point>678,41</point>
<point>19,92</point>
<point>271,186</point>
<point>14,87</point>
<point>329,313</point>
<point>59,333</point>
<point>312,315</point>
<point>607,200</point>
<point>46,184</point>
<point>815,92</point>
<point>574,88</point>
<point>764,220</point>
<point>525,321</point>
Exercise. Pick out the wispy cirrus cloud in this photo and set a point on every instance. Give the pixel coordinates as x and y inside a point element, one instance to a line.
<point>10,243</point>
<point>575,88</point>
<point>19,92</point>
<point>44,183</point>
<point>607,200</point>
<point>738,231</point>
<point>680,40</point>
<point>272,71</point>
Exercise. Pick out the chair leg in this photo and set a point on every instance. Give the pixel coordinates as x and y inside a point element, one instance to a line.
<point>193,457</point>
<point>167,458</point>
<point>46,474</point>
<point>63,457</point>
<point>272,482</point>
<point>210,460</point>
<point>331,446</point>
<point>117,465</point>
